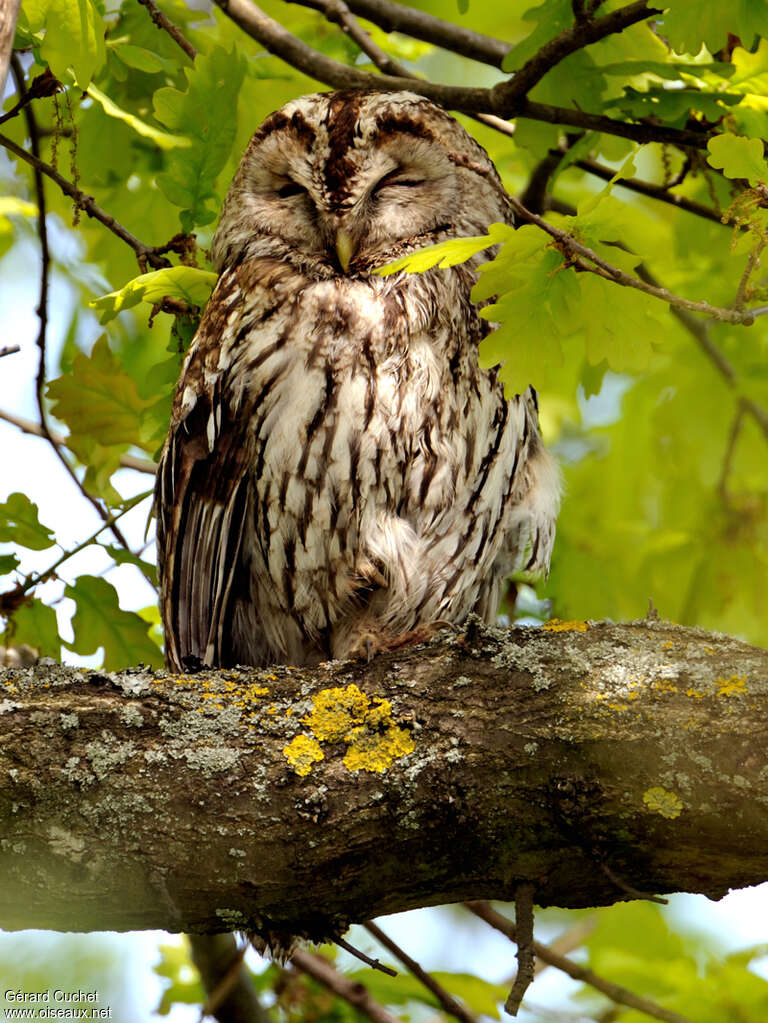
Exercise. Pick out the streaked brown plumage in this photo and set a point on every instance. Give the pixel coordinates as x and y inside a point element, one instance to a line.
<point>338,469</point>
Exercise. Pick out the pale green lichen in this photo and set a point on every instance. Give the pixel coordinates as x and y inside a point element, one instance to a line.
<point>661,801</point>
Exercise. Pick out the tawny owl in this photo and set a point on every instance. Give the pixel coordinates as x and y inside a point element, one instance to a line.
<point>339,471</point>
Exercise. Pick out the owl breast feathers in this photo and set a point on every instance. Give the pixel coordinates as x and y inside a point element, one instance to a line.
<point>338,468</point>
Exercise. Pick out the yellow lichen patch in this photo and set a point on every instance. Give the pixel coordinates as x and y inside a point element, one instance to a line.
<point>374,750</point>
<point>666,646</point>
<point>661,801</point>
<point>365,724</point>
<point>695,694</point>
<point>335,711</point>
<point>556,625</point>
<point>732,685</point>
<point>664,685</point>
<point>302,752</point>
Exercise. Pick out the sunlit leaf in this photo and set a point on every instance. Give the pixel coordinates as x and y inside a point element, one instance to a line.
<point>98,401</point>
<point>205,113</point>
<point>160,138</point>
<point>187,283</point>
<point>99,621</point>
<point>35,624</point>
<point>74,36</point>
<point>19,523</point>
<point>738,157</point>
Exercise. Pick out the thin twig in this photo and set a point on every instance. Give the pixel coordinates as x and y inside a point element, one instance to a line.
<point>525,954</point>
<point>145,254</point>
<point>356,994</point>
<point>586,259</point>
<point>35,430</point>
<point>699,330</point>
<point>42,309</point>
<point>585,31</point>
<point>741,292</point>
<point>9,350</point>
<point>394,17</point>
<point>730,449</point>
<point>628,889</point>
<point>615,992</point>
<point>567,942</point>
<point>368,960</point>
<point>40,577</point>
<point>278,41</point>
<point>166,25</point>
<point>338,12</point>
<point>446,1000</point>
<point>652,191</point>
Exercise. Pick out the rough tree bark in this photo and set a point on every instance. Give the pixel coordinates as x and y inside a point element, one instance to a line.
<point>590,760</point>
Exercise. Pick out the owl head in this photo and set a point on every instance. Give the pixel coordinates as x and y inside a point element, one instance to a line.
<point>344,182</point>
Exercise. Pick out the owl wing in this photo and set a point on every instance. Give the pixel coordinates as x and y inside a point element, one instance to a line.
<point>202,498</point>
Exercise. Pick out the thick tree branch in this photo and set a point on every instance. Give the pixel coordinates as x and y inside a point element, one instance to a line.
<point>538,754</point>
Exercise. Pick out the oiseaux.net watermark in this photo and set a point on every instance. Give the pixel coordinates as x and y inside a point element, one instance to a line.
<point>53,1003</point>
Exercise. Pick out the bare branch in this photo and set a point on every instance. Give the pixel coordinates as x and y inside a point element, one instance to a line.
<point>446,1000</point>
<point>730,449</point>
<point>40,577</point>
<point>42,310</point>
<point>231,997</point>
<point>356,994</point>
<point>585,258</point>
<point>584,32</point>
<point>35,430</point>
<point>145,254</point>
<point>278,41</point>
<point>615,992</point>
<point>9,350</point>
<point>652,191</point>
<point>364,958</point>
<point>393,17</point>
<point>166,25</point>
<point>525,953</point>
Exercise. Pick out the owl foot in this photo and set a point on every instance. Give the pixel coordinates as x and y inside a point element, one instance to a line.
<point>368,644</point>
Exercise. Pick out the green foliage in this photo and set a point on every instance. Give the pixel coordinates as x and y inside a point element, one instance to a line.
<point>202,112</point>
<point>72,33</point>
<point>738,157</point>
<point>187,283</point>
<point>665,473</point>
<point>19,524</point>
<point>100,622</point>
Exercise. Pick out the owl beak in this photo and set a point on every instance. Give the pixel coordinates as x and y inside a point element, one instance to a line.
<point>345,247</point>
